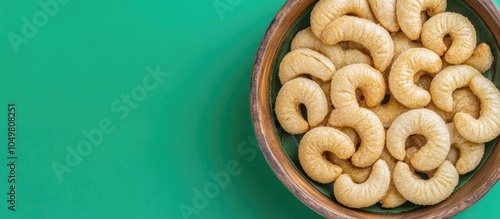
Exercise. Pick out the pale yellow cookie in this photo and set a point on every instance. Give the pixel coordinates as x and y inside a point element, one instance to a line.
<point>350,78</point>
<point>372,136</point>
<point>461,31</point>
<point>326,11</point>
<point>481,59</point>
<point>305,61</point>
<point>314,144</point>
<point>424,122</point>
<point>425,191</point>
<point>487,126</point>
<point>291,95</point>
<point>372,36</point>
<point>364,194</point>
<point>402,76</point>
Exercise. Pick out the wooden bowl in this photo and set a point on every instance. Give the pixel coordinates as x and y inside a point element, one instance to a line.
<point>280,148</point>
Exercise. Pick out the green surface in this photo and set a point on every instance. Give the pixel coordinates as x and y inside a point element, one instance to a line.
<point>156,140</point>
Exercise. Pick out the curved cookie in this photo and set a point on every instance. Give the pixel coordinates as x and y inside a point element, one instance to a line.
<point>402,76</point>
<point>314,144</point>
<point>481,59</point>
<point>291,95</point>
<point>461,31</point>
<point>447,81</point>
<point>385,12</point>
<point>357,76</point>
<point>372,36</point>
<point>425,192</point>
<point>372,136</point>
<point>364,194</point>
<point>326,11</point>
<point>487,126</point>
<point>305,61</point>
<point>423,122</point>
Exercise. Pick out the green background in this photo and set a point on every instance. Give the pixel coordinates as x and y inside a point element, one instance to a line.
<point>164,146</point>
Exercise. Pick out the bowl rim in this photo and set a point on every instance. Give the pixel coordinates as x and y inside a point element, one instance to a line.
<point>472,191</point>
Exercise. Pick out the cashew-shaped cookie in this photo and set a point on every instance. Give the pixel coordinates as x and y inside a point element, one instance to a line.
<point>372,36</point>
<point>424,122</point>
<point>291,95</point>
<point>481,59</point>
<point>364,194</point>
<point>402,76</point>
<point>305,61</point>
<point>326,11</point>
<point>409,16</point>
<point>372,136</point>
<point>348,79</point>
<point>392,198</point>
<point>314,144</point>
<point>358,175</point>
<point>385,12</point>
<point>461,31</point>
<point>306,39</point>
<point>469,153</point>
<point>487,126</point>
<point>425,192</point>
<point>447,81</point>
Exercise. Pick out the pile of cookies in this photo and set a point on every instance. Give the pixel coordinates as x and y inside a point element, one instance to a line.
<point>397,105</point>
